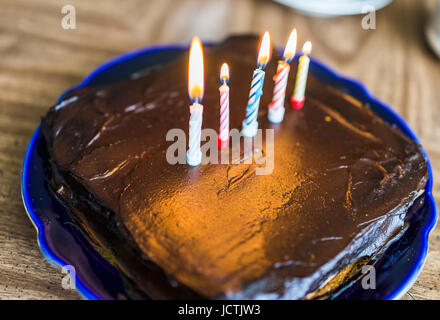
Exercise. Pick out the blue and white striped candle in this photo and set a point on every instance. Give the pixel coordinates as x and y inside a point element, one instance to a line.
<point>250,123</point>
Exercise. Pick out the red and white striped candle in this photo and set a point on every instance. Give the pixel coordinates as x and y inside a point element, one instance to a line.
<point>298,96</point>
<point>276,107</point>
<point>223,136</point>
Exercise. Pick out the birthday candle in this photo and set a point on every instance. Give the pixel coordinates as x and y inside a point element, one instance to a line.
<point>223,137</point>
<point>297,99</point>
<point>276,107</point>
<point>250,123</point>
<point>195,90</point>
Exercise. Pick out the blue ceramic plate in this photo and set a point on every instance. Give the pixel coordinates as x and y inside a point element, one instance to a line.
<point>63,243</point>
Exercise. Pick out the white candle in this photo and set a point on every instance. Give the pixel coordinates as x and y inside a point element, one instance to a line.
<point>276,109</point>
<point>195,90</point>
<point>298,96</point>
<point>194,154</point>
<point>250,123</point>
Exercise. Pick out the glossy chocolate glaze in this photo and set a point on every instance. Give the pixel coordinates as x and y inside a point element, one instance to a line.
<point>342,183</point>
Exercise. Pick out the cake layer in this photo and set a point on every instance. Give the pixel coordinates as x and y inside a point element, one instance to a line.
<point>342,183</point>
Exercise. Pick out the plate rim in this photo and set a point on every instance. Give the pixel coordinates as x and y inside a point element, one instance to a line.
<point>86,293</point>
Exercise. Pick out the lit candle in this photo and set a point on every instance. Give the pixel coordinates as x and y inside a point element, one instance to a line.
<point>223,136</point>
<point>276,107</point>
<point>250,123</point>
<point>297,99</point>
<point>195,91</point>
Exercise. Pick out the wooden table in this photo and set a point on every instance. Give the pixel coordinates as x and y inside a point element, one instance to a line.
<point>39,60</point>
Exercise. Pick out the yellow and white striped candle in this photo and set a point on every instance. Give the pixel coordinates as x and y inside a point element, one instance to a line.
<point>298,96</point>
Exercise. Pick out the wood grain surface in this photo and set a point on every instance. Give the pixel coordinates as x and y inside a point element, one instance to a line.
<point>39,60</point>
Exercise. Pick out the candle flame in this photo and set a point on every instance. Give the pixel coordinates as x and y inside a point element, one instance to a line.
<point>224,73</point>
<point>195,72</point>
<point>307,48</point>
<point>289,51</point>
<point>264,54</point>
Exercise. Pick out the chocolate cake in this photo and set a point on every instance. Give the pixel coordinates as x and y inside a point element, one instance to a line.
<point>343,184</point>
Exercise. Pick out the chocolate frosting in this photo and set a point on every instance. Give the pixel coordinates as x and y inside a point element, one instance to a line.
<point>342,183</point>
